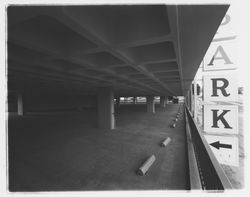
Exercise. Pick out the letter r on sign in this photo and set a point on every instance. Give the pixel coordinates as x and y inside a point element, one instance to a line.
<point>221,88</point>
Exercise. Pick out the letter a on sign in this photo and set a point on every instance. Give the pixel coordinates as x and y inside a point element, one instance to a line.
<point>220,88</point>
<point>221,56</point>
<point>221,119</point>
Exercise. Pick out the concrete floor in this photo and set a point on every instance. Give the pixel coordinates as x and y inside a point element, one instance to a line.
<point>66,152</point>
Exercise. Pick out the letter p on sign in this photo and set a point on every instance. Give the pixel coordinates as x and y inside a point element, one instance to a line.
<point>220,88</point>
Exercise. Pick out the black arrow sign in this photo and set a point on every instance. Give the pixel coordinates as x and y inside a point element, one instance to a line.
<point>218,145</point>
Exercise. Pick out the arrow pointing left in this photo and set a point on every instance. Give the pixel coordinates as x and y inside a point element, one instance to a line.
<point>219,145</point>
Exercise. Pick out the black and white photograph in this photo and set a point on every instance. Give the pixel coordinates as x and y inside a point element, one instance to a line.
<point>123,96</point>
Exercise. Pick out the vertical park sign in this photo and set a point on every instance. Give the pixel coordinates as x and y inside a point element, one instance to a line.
<point>220,91</point>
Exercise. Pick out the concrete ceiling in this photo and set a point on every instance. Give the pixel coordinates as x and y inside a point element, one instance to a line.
<point>136,49</point>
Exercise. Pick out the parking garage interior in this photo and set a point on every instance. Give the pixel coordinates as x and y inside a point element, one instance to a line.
<point>68,68</point>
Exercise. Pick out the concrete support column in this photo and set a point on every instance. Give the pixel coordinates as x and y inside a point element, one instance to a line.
<point>195,100</point>
<point>150,104</point>
<point>190,99</point>
<point>20,106</point>
<point>163,101</point>
<point>106,117</point>
<point>118,101</point>
<point>187,100</point>
<point>134,99</point>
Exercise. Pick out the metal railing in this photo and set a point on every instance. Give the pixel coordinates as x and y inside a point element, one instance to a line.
<point>204,170</point>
